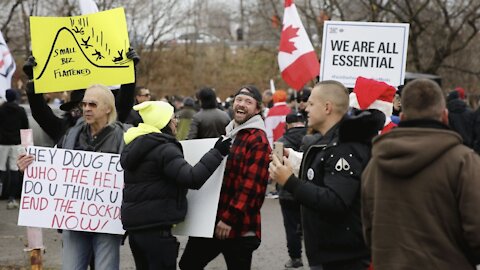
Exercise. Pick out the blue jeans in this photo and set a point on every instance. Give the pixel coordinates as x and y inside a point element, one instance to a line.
<point>78,248</point>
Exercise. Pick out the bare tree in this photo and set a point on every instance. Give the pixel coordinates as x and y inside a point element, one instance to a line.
<point>439,29</point>
<point>11,6</point>
<point>151,24</point>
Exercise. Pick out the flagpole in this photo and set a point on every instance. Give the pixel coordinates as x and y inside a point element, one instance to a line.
<point>295,95</point>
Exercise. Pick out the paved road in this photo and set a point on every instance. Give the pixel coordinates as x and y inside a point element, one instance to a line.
<point>271,254</point>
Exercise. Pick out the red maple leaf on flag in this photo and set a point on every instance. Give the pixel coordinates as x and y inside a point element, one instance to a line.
<point>285,44</point>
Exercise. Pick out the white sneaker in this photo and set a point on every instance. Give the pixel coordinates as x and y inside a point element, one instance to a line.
<point>294,263</point>
<point>272,195</point>
<point>12,204</point>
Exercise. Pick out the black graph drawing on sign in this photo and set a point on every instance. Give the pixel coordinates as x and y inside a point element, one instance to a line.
<point>85,43</point>
<point>78,31</point>
<point>98,54</point>
<point>119,58</point>
<point>65,29</point>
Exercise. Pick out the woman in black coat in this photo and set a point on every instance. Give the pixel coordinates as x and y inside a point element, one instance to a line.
<point>157,178</point>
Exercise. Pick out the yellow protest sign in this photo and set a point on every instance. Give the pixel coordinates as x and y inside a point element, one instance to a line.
<point>77,52</point>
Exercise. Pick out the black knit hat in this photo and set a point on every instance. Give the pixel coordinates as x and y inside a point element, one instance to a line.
<point>303,95</point>
<point>10,95</point>
<point>252,91</point>
<point>188,102</point>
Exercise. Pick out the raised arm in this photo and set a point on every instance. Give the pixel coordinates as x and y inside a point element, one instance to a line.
<point>125,98</point>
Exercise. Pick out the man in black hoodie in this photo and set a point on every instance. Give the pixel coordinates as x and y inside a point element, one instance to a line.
<point>12,119</point>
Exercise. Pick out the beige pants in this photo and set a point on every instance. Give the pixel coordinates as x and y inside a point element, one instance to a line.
<point>10,153</point>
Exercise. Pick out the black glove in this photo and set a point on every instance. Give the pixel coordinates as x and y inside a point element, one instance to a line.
<point>28,67</point>
<point>223,146</point>
<point>132,54</point>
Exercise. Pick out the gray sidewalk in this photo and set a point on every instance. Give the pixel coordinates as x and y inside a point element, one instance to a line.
<point>272,253</point>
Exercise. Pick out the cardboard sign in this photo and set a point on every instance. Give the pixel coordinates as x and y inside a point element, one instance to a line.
<point>26,137</point>
<point>73,190</point>
<point>372,50</point>
<point>77,52</point>
<point>202,203</point>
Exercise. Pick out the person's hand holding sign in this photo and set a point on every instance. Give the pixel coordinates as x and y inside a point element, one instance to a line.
<point>132,54</point>
<point>23,161</point>
<point>28,67</point>
<point>222,230</point>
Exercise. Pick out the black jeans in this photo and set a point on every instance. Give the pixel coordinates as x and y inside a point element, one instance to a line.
<point>293,227</point>
<point>357,264</point>
<point>237,252</point>
<point>14,188</point>
<point>154,249</point>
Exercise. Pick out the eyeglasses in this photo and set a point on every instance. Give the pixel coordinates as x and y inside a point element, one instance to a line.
<point>144,95</point>
<point>91,104</point>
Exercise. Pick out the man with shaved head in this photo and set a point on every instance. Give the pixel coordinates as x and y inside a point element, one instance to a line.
<point>328,185</point>
<point>421,189</point>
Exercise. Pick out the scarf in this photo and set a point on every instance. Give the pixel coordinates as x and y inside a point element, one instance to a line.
<point>254,122</point>
<point>142,129</point>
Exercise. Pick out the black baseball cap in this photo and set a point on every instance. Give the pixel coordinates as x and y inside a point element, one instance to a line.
<point>76,96</point>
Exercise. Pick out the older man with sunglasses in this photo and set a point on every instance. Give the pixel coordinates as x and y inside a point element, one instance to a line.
<point>99,132</point>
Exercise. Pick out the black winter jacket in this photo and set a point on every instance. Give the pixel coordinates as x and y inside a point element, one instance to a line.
<point>12,119</point>
<point>461,119</point>
<point>157,178</point>
<point>291,139</point>
<point>329,191</point>
<point>208,123</point>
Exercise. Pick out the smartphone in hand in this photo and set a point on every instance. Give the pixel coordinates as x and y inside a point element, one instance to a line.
<point>278,150</point>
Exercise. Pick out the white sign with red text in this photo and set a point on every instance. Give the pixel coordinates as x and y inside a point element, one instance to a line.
<point>73,190</point>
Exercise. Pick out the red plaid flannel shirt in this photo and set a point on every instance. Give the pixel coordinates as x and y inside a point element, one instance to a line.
<point>245,182</point>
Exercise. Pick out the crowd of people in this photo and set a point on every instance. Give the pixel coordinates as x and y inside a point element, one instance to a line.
<point>373,176</point>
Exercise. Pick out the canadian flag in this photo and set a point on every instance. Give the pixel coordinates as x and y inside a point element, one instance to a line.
<point>7,68</point>
<point>297,59</point>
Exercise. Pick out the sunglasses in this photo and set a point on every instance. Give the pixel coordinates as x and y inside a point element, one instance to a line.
<point>302,99</point>
<point>91,104</point>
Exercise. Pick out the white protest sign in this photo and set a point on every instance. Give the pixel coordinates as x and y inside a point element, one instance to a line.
<point>373,50</point>
<point>73,190</point>
<point>34,234</point>
<point>202,203</point>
